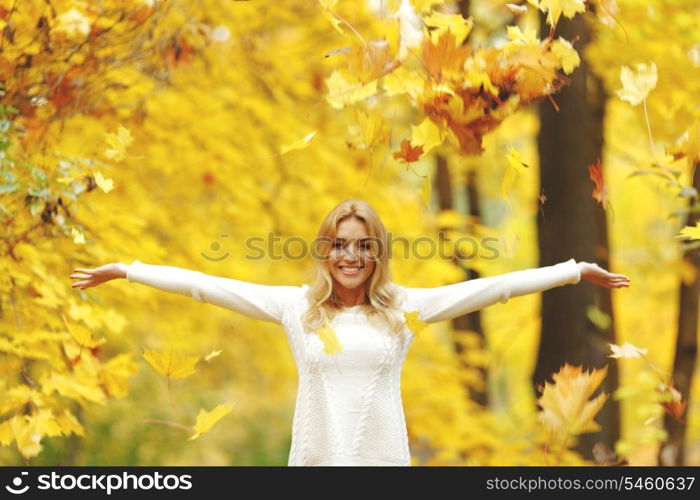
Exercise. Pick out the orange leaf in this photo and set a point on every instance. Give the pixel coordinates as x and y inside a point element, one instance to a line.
<point>600,192</point>
<point>371,61</point>
<point>408,153</point>
<point>445,56</point>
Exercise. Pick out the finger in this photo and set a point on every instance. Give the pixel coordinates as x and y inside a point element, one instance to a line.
<point>80,275</point>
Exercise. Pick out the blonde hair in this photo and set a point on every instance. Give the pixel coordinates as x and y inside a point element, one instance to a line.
<point>382,295</point>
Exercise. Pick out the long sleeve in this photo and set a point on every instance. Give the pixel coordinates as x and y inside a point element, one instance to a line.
<point>259,301</point>
<point>450,301</point>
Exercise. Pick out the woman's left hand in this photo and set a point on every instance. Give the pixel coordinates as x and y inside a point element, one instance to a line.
<point>598,276</point>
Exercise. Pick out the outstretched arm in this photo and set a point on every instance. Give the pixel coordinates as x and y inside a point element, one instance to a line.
<point>450,301</point>
<point>259,301</point>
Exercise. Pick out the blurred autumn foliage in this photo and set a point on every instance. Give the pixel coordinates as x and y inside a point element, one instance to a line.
<point>174,132</point>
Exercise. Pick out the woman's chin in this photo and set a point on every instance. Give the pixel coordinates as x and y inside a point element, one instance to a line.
<point>351,282</point>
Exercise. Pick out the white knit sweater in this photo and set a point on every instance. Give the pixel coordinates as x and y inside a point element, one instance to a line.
<point>348,407</point>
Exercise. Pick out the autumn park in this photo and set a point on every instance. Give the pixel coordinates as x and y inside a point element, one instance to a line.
<point>214,136</point>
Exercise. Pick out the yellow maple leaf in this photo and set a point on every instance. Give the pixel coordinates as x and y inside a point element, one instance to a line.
<point>427,134</point>
<point>116,372</point>
<point>413,323</point>
<point>68,423</point>
<point>118,142</point>
<point>567,55</point>
<point>515,167</point>
<point>207,419</point>
<point>170,364</point>
<point>46,423</point>
<point>105,185</point>
<point>343,91</point>
<point>403,81</point>
<point>81,334</point>
<point>28,439</point>
<point>567,411</point>
<point>331,344</point>
<point>458,25</point>
<point>73,386</point>
<point>637,85</point>
<point>555,8</point>
<point>692,232</point>
<point>519,37</point>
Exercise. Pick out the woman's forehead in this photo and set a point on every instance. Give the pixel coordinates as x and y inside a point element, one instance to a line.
<point>351,228</point>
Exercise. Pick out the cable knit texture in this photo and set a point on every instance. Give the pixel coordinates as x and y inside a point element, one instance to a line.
<point>348,406</point>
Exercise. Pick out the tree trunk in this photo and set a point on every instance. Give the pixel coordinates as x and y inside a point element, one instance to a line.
<point>572,224</point>
<point>672,450</point>
<point>472,321</point>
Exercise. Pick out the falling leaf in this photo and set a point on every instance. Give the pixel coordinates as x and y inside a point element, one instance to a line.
<point>408,153</point>
<point>26,435</point>
<point>118,142</point>
<point>170,364</point>
<point>115,374</point>
<point>567,411</point>
<point>300,143</point>
<point>455,23</point>
<point>371,60</point>
<point>212,355</point>
<point>206,420</point>
<point>105,184</point>
<point>636,86</point>
<point>82,337</point>
<point>567,55</point>
<point>427,134</point>
<point>674,404</point>
<point>692,232</point>
<point>516,9</point>
<point>555,8</point>
<point>413,323</point>
<point>600,191</point>
<point>344,90</point>
<point>626,351</point>
<point>331,344</point>
<point>598,317</point>
<point>77,236</point>
<point>527,37</point>
<point>369,131</point>
<point>688,145</point>
<point>443,57</point>
<point>515,167</point>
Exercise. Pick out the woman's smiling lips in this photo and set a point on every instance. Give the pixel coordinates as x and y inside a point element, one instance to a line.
<point>351,270</point>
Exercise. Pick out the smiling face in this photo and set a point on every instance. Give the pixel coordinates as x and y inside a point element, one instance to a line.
<point>349,260</point>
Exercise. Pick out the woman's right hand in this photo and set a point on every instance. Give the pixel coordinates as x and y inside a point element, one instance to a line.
<point>93,277</point>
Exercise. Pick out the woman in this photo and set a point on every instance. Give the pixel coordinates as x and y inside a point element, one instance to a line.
<point>348,407</point>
